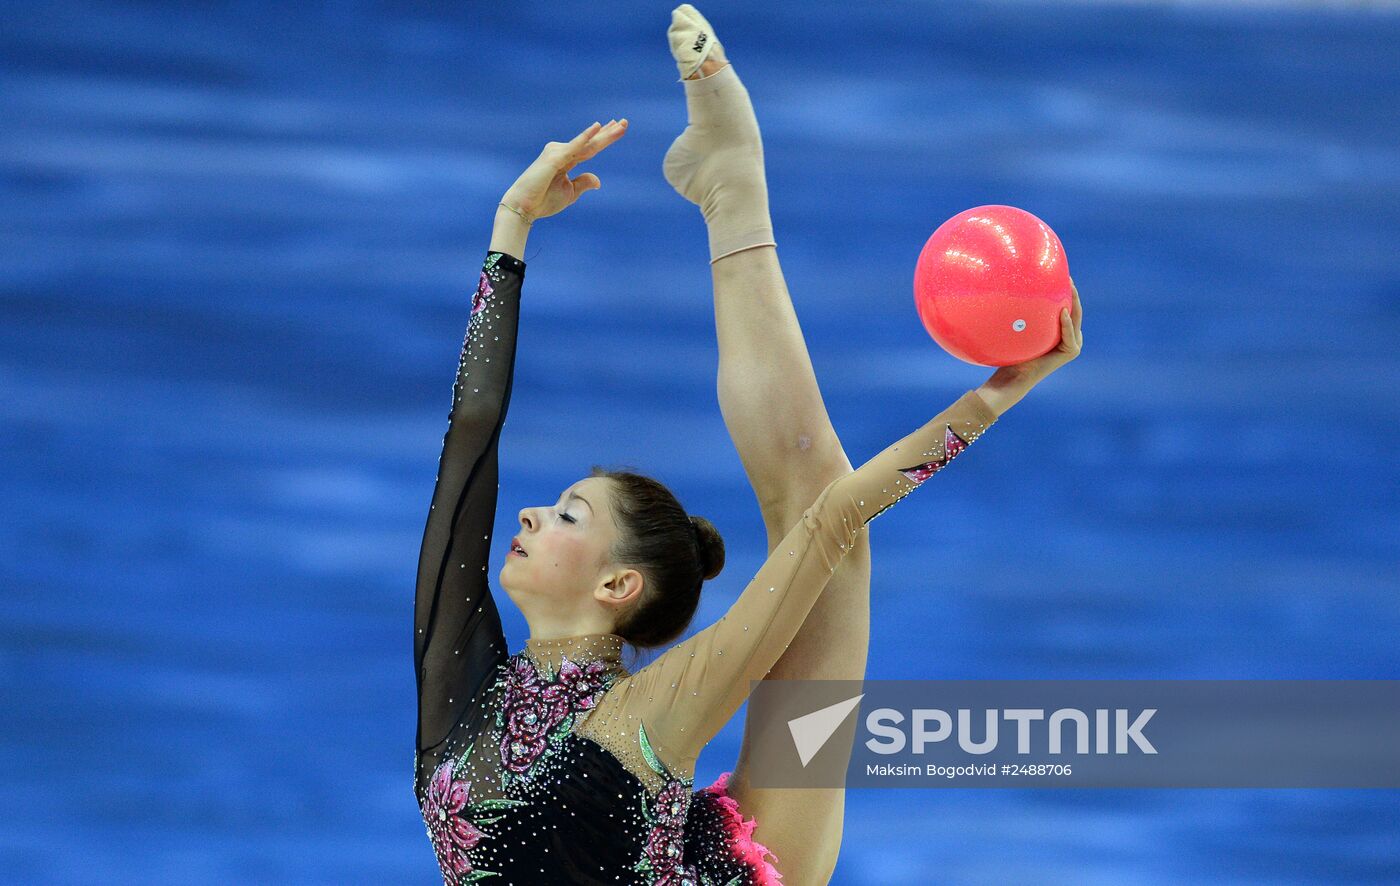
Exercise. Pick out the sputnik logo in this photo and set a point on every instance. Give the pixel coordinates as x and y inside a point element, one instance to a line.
<point>811,731</point>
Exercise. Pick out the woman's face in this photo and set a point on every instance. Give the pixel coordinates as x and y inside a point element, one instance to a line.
<point>567,547</point>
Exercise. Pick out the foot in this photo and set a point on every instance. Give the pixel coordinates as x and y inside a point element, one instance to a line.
<point>717,163</point>
<point>708,67</point>
<point>695,47</point>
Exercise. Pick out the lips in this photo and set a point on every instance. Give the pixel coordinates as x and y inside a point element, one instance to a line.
<point>515,548</point>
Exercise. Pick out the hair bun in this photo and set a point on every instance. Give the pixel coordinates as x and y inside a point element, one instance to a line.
<point>711,546</point>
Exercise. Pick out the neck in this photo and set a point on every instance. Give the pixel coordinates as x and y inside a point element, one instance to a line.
<point>554,620</point>
<point>548,653</point>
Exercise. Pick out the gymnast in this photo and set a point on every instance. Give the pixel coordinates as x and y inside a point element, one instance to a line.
<point>557,764</point>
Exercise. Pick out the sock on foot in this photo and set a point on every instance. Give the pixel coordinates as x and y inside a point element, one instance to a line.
<point>692,40</point>
<point>717,162</point>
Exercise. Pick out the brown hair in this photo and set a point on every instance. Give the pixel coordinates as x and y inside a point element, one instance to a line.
<point>677,552</point>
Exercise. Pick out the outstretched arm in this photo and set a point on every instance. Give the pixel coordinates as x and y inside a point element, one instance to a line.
<point>457,639</point>
<point>687,694</point>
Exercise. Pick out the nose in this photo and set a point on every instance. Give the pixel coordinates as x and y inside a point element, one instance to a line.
<point>527,519</point>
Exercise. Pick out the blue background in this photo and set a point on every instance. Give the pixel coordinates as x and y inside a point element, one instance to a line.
<point>238,253</point>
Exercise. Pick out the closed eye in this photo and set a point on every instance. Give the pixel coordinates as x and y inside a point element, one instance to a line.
<point>567,517</point>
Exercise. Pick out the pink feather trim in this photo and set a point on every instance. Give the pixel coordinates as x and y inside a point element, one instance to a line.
<point>746,849</point>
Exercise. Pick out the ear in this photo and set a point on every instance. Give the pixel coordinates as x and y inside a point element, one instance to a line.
<point>621,588</point>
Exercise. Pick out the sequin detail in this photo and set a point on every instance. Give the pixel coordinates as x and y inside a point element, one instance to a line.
<point>481,300</point>
<point>744,847</point>
<point>454,822</point>
<point>452,832</point>
<point>953,445</point>
<point>538,712</point>
<point>483,292</point>
<point>662,855</point>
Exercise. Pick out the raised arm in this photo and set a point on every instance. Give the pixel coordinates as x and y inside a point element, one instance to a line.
<point>457,638</point>
<point>687,695</point>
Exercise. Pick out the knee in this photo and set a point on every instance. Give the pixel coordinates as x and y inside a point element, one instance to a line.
<point>806,475</point>
<point>827,456</point>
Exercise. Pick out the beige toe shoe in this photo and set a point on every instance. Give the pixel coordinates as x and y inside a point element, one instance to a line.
<point>692,39</point>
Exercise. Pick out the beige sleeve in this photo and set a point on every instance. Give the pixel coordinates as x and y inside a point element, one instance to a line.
<point>689,693</point>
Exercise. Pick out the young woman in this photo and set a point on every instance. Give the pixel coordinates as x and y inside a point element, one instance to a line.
<point>556,764</point>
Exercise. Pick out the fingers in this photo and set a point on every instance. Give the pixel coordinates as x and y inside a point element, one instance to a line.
<point>611,129</point>
<point>1077,313</point>
<point>584,136</point>
<point>1070,338</point>
<point>604,137</point>
<point>568,153</point>
<point>595,138</point>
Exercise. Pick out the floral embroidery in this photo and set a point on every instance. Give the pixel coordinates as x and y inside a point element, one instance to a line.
<point>585,685</point>
<point>452,833</point>
<point>454,821</point>
<point>537,713</point>
<point>481,300</point>
<point>483,292</point>
<point>661,862</point>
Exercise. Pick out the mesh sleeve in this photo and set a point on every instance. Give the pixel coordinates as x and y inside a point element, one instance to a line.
<point>457,640</point>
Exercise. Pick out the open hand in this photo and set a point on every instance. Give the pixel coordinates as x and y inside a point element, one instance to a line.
<point>545,188</point>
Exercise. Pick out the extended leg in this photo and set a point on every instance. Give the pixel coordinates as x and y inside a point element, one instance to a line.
<point>773,409</point>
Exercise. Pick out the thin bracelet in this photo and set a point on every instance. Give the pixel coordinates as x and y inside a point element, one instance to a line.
<point>528,220</point>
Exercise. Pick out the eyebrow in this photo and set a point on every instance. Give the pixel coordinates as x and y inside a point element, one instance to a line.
<point>582,499</point>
